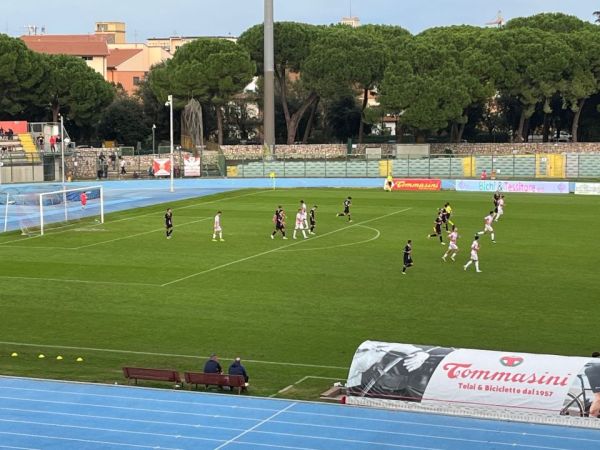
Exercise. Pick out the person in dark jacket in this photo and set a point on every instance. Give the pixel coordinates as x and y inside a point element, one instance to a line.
<point>212,365</point>
<point>236,368</point>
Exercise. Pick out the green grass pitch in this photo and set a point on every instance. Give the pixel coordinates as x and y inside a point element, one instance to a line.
<point>296,310</point>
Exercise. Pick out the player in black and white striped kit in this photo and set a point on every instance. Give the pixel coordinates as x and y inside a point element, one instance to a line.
<point>347,204</point>
<point>312,219</point>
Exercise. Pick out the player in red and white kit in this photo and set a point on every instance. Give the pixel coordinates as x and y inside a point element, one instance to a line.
<point>452,247</point>
<point>474,255</point>
<point>487,225</point>
<point>83,199</point>
<point>500,207</point>
<point>299,224</point>
<point>304,214</point>
<point>217,230</point>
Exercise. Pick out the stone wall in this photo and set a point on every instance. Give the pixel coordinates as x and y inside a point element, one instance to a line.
<point>517,149</point>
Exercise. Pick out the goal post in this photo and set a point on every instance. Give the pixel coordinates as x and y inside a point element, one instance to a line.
<point>70,205</point>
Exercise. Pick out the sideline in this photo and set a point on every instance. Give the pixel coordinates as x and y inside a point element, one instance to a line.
<point>170,355</point>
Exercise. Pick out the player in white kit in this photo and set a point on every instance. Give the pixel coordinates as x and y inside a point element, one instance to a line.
<point>452,247</point>
<point>304,214</point>
<point>217,230</point>
<point>474,255</point>
<point>487,226</point>
<point>500,208</point>
<point>299,224</point>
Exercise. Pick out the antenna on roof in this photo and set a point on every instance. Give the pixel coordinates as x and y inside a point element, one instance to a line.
<point>498,21</point>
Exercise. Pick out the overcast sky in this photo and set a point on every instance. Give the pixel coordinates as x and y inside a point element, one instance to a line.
<point>160,18</point>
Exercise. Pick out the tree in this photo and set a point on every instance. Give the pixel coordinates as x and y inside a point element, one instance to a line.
<point>21,76</point>
<point>534,66</point>
<point>213,70</point>
<point>124,121</point>
<point>347,59</point>
<point>292,47</point>
<point>75,89</point>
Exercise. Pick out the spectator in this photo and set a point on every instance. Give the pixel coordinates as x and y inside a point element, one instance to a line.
<point>105,169</point>
<point>40,142</point>
<point>10,134</point>
<point>212,365</point>
<point>101,157</point>
<point>1,133</point>
<point>52,143</point>
<point>484,174</point>
<point>123,171</point>
<point>113,160</point>
<point>236,368</point>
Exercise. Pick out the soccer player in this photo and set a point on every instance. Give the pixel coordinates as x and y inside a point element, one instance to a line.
<point>279,221</point>
<point>299,224</point>
<point>217,228</point>
<point>499,208</point>
<point>83,200</point>
<point>496,198</point>
<point>304,213</point>
<point>448,210</point>
<point>437,228</point>
<point>389,183</point>
<point>408,262</point>
<point>487,225</point>
<point>312,217</point>
<point>452,247</point>
<point>347,205</point>
<point>474,255</point>
<point>169,222</point>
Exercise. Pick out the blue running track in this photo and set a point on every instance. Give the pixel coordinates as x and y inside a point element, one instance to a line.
<point>36,414</point>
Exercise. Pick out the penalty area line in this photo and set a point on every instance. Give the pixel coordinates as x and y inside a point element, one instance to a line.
<point>301,380</point>
<point>257,255</point>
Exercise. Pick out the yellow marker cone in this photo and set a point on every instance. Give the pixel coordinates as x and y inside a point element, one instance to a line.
<point>80,359</point>
<point>14,354</point>
<point>59,358</point>
<point>41,356</point>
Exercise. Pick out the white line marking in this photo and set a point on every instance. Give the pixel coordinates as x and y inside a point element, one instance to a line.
<point>259,444</point>
<point>171,355</point>
<point>255,426</point>
<point>212,269</point>
<point>19,448</point>
<point>301,380</point>
<point>111,430</point>
<point>139,234</point>
<point>68,280</point>
<point>89,441</point>
<point>123,419</point>
<point>378,233</point>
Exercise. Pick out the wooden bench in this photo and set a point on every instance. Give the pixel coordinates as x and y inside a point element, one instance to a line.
<point>139,373</point>
<point>215,379</point>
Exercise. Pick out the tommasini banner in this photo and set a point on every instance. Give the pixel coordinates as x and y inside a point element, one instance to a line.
<point>439,375</point>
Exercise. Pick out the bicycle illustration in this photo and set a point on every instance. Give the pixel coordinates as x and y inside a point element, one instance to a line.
<point>578,405</point>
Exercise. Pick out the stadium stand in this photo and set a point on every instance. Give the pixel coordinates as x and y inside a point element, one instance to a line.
<point>29,147</point>
<point>235,382</point>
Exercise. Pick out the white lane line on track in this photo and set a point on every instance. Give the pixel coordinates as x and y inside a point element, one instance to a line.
<point>249,430</point>
<point>257,255</point>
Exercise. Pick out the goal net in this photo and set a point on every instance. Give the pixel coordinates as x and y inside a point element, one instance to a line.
<point>35,212</point>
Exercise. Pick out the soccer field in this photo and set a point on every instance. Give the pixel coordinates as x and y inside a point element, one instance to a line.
<point>122,294</point>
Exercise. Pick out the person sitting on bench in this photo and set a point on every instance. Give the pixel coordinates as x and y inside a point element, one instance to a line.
<point>212,365</point>
<point>236,368</point>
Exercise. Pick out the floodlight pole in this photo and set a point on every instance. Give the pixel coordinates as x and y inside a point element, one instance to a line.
<point>170,101</point>
<point>269,80</point>
<point>153,137</point>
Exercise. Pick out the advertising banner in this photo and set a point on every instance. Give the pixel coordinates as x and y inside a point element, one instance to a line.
<point>161,167</point>
<point>547,384</point>
<point>587,188</point>
<point>415,184</point>
<point>531,187</point>
<point>191,166</point>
